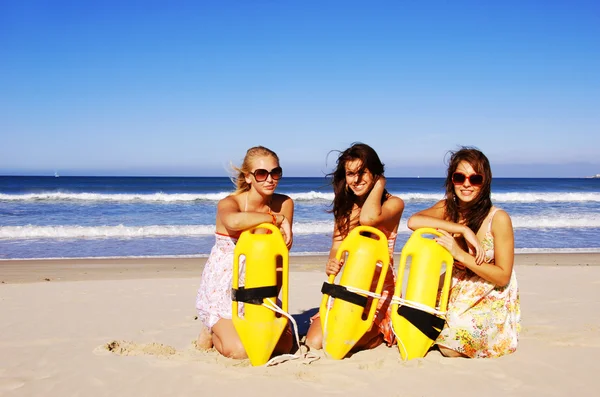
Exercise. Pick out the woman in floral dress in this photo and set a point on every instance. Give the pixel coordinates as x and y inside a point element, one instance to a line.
<point>254,202</point>
<point>483,318</point>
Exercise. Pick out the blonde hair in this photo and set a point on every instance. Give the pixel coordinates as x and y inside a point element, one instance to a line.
<point>239,180</point>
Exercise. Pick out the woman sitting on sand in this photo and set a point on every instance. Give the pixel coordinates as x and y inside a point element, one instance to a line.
<point>361,199</point>
<point>483,317</point>
<point>254,202</point>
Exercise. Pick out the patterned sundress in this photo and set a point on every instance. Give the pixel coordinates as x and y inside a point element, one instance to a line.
<point>483,320</point>
<point>213,301</point>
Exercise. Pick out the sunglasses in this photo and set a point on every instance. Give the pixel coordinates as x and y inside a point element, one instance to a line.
<point>261,174</point>
<point>458,178</point>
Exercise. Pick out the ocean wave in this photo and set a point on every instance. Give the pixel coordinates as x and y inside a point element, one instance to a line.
<point>115,197</point>
<point>322,227</point>
<point>122,231</point>
<point>312,196</point>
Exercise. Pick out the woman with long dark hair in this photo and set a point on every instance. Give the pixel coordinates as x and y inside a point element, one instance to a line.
<point>362,199</point>
<point>483,318</point>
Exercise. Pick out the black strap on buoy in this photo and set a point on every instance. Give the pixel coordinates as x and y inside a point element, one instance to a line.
<point>429,324</point>
<point>341,292</point>
<point>254,296</point>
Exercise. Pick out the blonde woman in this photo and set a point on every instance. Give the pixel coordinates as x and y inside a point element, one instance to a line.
<point>254,202</point>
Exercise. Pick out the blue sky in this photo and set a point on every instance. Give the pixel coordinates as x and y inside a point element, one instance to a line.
<point>185,87</point>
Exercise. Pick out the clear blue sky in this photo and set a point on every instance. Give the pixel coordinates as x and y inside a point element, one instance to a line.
<point>185,87</point>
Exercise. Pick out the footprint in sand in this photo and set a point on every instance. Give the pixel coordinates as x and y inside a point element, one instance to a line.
<point>125,348</point>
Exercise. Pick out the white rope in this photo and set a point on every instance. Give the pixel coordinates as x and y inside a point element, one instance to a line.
<point>364,292</point>
<point>400,343</point>
<point>324,330</point>
<point>286,357</point>
<point>418,306</point>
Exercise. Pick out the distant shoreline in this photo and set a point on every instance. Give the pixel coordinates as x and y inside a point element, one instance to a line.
<point>77,269</point>
<point>519,251</point>
<point>597,176</point>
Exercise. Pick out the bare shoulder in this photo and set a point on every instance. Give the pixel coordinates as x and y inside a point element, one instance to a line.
<point>394,201</point>
<point>437,210</point>
<point>501,219</point>
<point>279,199</point>
<point>229,202</point>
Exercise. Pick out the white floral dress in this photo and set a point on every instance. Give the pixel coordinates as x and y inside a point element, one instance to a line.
<point>214,295</point>
<point>483,320</point>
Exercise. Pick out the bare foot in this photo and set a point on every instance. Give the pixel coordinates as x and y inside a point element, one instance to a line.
<point>446,352</point>
<point>204,341</point>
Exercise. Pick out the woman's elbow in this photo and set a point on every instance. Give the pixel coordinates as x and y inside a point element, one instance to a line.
<point>232,224</point>
<point>411,223</point>
<point>368,221</point>
<point>503,281</point>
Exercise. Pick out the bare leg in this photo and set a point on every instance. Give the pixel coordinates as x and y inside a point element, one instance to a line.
<point>370,340</point>
<point>286,342</point>
<point>227,341</point>
<point>314,336</point>
<point>446,352</point>
<point>204,341</point>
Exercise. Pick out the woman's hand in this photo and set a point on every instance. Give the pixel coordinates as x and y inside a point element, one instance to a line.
<point>474,244</point>
<point>286,230</point>
<point>447,241</point>
<point>333,267</point>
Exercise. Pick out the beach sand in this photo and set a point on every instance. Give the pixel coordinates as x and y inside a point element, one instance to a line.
<point>125,327</point>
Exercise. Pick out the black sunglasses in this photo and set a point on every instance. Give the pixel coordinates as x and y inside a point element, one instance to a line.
<point>261,174</point>
<point>458,178</point>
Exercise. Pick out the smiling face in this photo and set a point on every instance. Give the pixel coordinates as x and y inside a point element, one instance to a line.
<point>466,192</point>
<point>359,181</point>
<point>266,187</point>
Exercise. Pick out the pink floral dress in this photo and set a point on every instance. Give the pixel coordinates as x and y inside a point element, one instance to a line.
<point>483,320</point>
<point>214,295</point>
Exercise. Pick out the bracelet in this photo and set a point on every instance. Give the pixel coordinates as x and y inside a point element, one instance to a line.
<point>274,218</point>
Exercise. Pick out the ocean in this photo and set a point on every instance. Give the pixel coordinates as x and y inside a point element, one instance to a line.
<point>67,217</point>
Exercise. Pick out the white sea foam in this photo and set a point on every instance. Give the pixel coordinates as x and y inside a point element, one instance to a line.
<point>514,197</point>
<point>116,197</point>
<point>119,231</point>
<point>321,227</point>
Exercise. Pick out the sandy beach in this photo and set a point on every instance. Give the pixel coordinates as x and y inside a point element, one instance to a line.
<point>125,327</point>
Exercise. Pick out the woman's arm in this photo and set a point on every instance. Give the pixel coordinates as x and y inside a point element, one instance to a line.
<point>334,266</point>
<point>233,218</point>
<point>375,214</point>
<point>499,272</point>
<point>434,217</point>
<point>285,220</point>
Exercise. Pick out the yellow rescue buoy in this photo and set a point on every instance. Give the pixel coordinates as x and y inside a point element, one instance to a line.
<point>342,322</point>
<point>260,329</point>
<point>415,319</point>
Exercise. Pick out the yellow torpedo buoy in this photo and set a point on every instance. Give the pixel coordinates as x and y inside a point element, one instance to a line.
<point>417,322</point>
<point>342,322</point>
<point>260,329</point>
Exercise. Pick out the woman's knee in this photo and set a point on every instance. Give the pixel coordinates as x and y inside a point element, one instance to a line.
<point>314,339</point>
<point>232,349</point>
